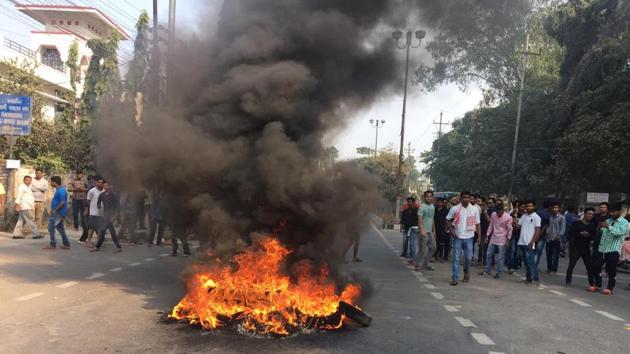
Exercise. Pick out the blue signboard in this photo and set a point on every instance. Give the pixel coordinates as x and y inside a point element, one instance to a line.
<point>15,115</point>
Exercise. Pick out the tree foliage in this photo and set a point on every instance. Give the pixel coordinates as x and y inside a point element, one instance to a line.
<point>573,136</point>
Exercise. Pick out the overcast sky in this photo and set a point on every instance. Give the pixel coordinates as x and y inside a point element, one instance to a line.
<point>422,109</point>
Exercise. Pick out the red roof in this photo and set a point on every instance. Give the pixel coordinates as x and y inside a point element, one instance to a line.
<point>122,32</point>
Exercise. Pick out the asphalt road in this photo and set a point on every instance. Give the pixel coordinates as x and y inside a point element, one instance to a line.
<point>80,302</point>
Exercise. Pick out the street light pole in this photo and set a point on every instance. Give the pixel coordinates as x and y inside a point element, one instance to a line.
<point>376,124</point>
<point>397,35</point>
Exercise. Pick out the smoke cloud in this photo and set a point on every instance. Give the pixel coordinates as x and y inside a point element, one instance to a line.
<point>236,148</point>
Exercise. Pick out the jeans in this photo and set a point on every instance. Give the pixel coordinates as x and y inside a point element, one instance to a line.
<point>426,246</point>
<point>467,245</point>
<point>159,226</point>
<point>413,242</point>
<point>483,249</point>
<point>490,257</point>
<point>514,256</point>
<point>529,255</point>
<point>540,247</point>
<point>553,255</point>
<point>610,259</point>
<point>405,244</point>
<point>56,222</point>
<point>78,206</point>
<point>575,253</point>
<point>108,224</point>
<point>443,246</point>
<point>25,217</point>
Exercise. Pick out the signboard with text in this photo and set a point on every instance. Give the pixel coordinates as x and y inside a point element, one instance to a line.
<point>15,115</point>
<point>596,198</point>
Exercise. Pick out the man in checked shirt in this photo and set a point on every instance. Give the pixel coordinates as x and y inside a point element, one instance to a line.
<point>614,230</point>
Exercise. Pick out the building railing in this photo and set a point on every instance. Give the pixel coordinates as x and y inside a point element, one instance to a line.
<point>19,48</point>
<point>54,63</point>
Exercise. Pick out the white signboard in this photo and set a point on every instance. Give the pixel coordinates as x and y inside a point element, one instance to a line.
<point>597,198</point>
<point>13,164</point>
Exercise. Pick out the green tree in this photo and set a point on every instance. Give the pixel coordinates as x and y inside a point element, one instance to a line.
<point>139,65</point>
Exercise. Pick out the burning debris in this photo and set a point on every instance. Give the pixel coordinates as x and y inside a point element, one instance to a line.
<point>252,293</point>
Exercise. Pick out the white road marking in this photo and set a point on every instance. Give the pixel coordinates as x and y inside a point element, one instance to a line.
<point>610,315</point>
<point>495,352</point>
<point>95,276</point>
<point>580,302</point>
<point>465,322</point>
<point>557,292</point>
<point>134,264</point>
<point>540,286</point>
<point>482,339</point>
<point>165,254</point>
<point>117,269</point>
<point>437,295</point>
<point>420,277</point>
<point>149,259</point>
<point>29,296</point>
<point>67,284</point>
<point>429,286</point>
<point>451,308</point>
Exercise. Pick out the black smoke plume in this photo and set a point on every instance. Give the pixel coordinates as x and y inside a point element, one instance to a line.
<point>235,149</point>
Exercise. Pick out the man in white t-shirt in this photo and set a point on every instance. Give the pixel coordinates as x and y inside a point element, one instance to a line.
<point>529,225</point>
<point>463,220</point>
<point>95,219</point>
<point>25,206</point>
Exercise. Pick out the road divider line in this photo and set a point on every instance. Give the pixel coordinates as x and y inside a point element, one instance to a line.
<point>149,259</point>
<point>29,296</point>
<point>482,339</point>
<point>609,315</point>
<point>437,295</point>
<point>165,255</point>
<point>67,284</point>
<point>465,322</point>
<point>95,276</point>
<point>134,264</point>
<point>557,292</point>
<point>117,269</point>
<point>451,308</point>
<point>491,352</point>
<point>580,302</point>
<point>429,286</point>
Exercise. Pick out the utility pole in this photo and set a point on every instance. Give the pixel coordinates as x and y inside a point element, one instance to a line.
<point>437,155</point>
<point>410,151</point>
<point>397,35</point>
<point>376,124</point>
<point>525,54</point>
<point>155,56</point>
<point>172,5</point>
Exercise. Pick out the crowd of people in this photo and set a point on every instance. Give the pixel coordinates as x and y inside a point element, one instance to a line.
<point>97,208</point>
<point>517,234</point>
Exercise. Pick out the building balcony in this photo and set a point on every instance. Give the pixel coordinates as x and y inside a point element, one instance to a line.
<point>54,63</point>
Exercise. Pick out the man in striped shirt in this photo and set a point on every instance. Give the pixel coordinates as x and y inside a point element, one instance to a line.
<point>613,232</point>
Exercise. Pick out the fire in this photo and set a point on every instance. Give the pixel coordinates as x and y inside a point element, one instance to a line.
<point>253,292</point>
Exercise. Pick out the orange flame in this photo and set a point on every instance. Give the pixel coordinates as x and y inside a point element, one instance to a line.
<point>254,293</point>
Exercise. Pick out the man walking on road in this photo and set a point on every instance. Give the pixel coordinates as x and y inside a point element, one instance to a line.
<point>426,224</point>
<point>514,257</point>
<point>25,206</point>
<point>95,215</point>
<point>79,195</point>
<point>529,225</point>
<point>442,237</point>
<point>408,224</point>
<point>109,205</point>
<point>581,233</point>
<point>499,234</point>
<point>463,220</point>
<point>555,233</point>
<point>614,230</point>
<point>58,211</point>
<point>39,188</point>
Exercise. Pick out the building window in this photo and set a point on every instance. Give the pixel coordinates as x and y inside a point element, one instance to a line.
<point>52,58</point>
<point>76,23</point>
<point>54,22</point>
<point>69,23</point>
